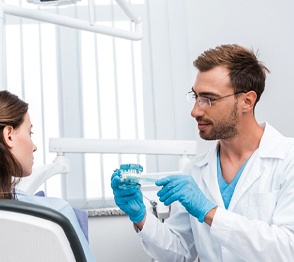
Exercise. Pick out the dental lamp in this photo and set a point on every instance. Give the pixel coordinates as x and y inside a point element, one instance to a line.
<point>52,2</point>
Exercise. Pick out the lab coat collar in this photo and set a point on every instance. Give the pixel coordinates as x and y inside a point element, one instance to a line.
<point>272,143</point>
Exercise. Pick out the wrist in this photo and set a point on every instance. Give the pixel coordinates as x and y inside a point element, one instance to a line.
<point>209,216</point>
<point>139,226</point>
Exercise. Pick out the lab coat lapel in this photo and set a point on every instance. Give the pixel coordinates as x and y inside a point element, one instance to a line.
<point>268,148</point>
<point>210,178</point>
<point>253,170</point>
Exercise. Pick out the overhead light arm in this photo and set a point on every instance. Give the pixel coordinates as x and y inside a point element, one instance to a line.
<point>78,23</point>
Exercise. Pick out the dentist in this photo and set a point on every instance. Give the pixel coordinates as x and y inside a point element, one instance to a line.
<point>235,202</point>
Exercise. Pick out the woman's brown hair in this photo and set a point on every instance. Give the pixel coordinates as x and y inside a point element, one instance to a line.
<point>12,112</point>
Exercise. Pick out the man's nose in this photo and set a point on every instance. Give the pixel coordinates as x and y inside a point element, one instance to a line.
<point>197,111</point>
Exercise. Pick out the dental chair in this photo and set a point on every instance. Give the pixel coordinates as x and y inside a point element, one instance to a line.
<point>32,233</point>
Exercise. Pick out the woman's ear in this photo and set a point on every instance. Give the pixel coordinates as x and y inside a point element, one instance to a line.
<point>249,100</point>
<point>8,135</point>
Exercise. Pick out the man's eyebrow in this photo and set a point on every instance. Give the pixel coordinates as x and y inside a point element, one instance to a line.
<point>206,94</point>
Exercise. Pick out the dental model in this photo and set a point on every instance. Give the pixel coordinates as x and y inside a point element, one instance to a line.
<point>131,175</point>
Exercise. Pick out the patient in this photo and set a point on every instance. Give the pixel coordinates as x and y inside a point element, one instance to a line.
<point>16,161</point>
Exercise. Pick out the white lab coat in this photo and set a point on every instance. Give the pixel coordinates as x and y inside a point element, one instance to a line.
<point>259,222</point>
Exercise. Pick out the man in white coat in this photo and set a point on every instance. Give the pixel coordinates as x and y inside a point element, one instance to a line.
<point>235,202</point>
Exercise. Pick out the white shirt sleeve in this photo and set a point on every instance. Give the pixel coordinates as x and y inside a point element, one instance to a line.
<point>168,241</point>
<point>244,237</point>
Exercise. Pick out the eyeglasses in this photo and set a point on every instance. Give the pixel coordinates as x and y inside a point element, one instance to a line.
<point>205,101</point>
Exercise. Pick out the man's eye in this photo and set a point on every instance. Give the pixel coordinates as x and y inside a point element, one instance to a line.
<point>212,99</point>
<point>206,98</point>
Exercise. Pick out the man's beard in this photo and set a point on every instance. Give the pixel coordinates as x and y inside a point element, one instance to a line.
<point>223,130</point>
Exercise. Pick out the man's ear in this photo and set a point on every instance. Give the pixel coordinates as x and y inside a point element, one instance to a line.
<point>8,135</point>
<point>249,100</point>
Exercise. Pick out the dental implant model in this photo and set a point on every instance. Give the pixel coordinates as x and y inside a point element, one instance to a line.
<point>131,176</point>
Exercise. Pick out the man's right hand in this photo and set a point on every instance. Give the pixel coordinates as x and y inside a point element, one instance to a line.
<point>129,200</point>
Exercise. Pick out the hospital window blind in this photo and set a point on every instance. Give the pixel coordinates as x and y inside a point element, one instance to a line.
<point>51,68</point>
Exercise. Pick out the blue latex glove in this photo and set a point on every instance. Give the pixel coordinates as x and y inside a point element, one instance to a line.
<point>184,189</point>
<point>129,200</point>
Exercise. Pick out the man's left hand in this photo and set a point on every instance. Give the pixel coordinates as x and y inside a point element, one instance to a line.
<point>184,189</point>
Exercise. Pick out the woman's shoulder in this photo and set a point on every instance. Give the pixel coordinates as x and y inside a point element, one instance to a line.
<point>51,202</point>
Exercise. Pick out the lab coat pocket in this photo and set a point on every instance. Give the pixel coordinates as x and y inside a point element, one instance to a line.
<point>261,206</point>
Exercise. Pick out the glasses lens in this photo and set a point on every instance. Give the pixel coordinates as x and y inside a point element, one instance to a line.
<point>204,102</point>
